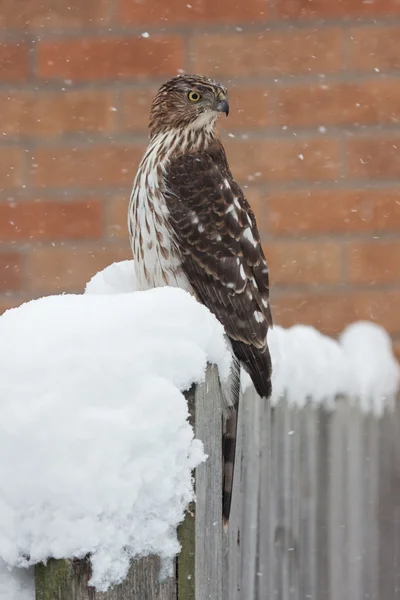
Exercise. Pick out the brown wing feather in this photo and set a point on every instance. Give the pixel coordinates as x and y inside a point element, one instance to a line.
<point>225,265</point>
<point>222,254</point>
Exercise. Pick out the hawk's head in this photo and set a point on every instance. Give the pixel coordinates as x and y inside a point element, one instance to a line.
<point>188,101</point>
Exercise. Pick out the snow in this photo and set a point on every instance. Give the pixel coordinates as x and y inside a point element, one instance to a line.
<point>93,414</point>
<point>16,584</point>
<point>376,372</point>
<point>118,278</point>
<point>309,366</point>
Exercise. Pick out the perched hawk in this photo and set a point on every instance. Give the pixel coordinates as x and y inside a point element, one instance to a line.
<point>191,227</point>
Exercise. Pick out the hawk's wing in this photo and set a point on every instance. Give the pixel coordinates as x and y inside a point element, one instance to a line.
<point>222,254</point>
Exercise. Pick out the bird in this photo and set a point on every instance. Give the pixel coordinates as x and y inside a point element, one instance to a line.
<point>190,226</point>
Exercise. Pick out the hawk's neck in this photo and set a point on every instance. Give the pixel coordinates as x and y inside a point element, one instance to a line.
<point>175,142</point>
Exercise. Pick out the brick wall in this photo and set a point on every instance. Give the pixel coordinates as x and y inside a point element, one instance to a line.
<point>314,137</point>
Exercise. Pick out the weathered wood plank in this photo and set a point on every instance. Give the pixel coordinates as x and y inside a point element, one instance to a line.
<point>278,456</point>
<point>389,495</point>
<point>265,523</point>
<point>337,504</point>
<point>323,450</point>
<point>308,473</point>
<point>251,454</point>
<point>370,471</point>
<point>68,580</point>
<point>292,500</point>
<point>185,561</point>
<point>355,521</point>
<point>208,531</point>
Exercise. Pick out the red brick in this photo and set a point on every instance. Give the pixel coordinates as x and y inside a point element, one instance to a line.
<point>53,113</point>
<point>374,157</point>
<point>9,300</point>
<point>396,350</point>
<point>52,14</point>
<point>180,11</point>
<point>374,48</point>
<point>292,263</point>
<point>378,306</point>
<point>69,269</point>
<point>293,9</point>
<point>331,312</point>
<point>44,220</point>
<point>284,159</point>
<point>270,53</point>
<point>136,108</point>
<point>385,210</point>
<point>373,102</point>
<point>373,262</point>
<point>10,271</point>
<point>11,166</point>
<point>13,62</point>
<point>256,199</point>
<point>94,166</point>
<point>109,58</point>
<point>250,108</point>
<point>333,211</point>
<point>117,211</point>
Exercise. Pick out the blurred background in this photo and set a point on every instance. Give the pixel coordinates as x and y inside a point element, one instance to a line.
<point>313,137</point>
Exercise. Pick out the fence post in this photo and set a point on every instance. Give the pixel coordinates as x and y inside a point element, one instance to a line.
<point>198,568</point>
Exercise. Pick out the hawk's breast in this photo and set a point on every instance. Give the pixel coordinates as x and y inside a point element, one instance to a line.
<point>156,255</point>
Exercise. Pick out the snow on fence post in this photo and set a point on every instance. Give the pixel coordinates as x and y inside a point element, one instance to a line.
<point>198,570</point>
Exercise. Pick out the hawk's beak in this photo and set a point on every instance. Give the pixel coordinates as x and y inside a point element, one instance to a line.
<point>223,106</point>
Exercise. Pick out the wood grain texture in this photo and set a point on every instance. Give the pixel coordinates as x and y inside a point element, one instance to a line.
<point>208,527</point>
<point>316,504</point>
<point>185,561</point>
<point>68,580</point>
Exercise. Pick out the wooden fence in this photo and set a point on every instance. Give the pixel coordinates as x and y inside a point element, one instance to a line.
<point>315,514</point>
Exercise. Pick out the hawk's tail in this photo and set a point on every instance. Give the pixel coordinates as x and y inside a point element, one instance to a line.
<point>229,442</point>
<point>257,362</point>
<point>229,452</point>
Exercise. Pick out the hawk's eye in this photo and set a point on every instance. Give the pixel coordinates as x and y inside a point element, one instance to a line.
<point>194,96</point>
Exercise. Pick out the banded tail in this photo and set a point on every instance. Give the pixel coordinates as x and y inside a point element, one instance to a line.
<point>229,442</point>
<point>258,365</point>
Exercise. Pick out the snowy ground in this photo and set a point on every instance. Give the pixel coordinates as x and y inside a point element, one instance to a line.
<point>92,414</point>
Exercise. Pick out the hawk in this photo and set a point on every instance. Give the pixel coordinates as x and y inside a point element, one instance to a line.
<point>191,227</point>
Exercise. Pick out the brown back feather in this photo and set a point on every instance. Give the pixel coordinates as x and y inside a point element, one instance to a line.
<point>223,260</point>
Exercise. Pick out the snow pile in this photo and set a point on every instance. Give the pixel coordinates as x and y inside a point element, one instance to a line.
<point>16,584</point>
<point>95,449</point>
<point>307,364</point>
<point>375,371</point>
<point>311,366</point>
<point>118,278</point>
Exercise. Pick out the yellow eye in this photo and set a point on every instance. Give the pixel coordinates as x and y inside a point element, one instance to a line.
<point>194,96</point>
